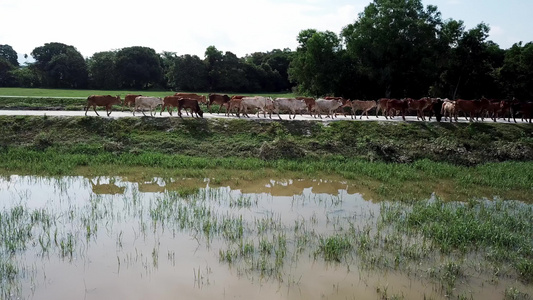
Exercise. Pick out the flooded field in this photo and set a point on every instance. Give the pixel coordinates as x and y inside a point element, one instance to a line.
<point>124,238</point>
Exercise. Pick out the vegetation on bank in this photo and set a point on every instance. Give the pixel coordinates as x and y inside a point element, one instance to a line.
<point>459,161</point>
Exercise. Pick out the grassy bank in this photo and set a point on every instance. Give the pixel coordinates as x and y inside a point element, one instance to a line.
<point>399,160</point>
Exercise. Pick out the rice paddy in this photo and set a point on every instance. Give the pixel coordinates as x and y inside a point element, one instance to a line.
<point>142,237</point>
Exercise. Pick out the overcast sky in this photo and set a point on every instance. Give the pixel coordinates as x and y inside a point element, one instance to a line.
<point>239,26</point>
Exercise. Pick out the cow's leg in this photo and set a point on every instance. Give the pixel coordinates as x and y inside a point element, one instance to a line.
<point>94,108</point>
<point>108,110</point>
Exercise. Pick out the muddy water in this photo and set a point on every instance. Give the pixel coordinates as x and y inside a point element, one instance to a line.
<point>122,249</point>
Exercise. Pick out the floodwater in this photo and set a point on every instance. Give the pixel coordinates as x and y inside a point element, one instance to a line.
<point>118,238</point>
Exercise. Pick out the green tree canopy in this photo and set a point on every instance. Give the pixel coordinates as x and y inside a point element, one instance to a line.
<point>10,55</point>
<point>102,70</point>
<point>60,66</point>
<point>396,43</point>
<point>188,73</point>
<point>138,67</point>
<point>517,71</point>
<point>315,66</point>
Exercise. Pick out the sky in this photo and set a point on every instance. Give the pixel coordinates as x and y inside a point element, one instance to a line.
<point>239,26</point>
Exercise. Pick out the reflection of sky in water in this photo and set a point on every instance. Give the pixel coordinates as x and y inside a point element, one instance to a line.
<point>131,256</point>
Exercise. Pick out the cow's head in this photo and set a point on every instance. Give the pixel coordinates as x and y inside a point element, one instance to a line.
<point>117,100</point>
<point>201,113</point>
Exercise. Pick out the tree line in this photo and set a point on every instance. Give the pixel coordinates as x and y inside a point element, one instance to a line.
<point>395,49</point>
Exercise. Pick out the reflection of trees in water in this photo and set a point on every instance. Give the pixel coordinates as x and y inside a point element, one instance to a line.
<point>106,188</point>
<point>290,187</point>
<point>274,187</point>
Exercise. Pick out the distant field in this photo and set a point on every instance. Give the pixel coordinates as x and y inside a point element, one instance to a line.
<point>49,93</point>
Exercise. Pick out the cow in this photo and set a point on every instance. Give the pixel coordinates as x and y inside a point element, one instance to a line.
<point>260,103</point>
<point>151,103</point>
<point>382,106</point>
<point>419,106</point>
<point>345,104</point>
<point>197,97</point>
<point>169,102</point>
<point>192,104</point>
<point>363,106</point>
<point>310,102</point>
<point>527,111</point>
<point>435,108</point>
<point>396,105</point>
<point>493,110</point>
<point>329,106</point>
<point>98,100</point>
<point>470,108</point>
<point>509,108</point>
<point>222,100</point>
<point>238,96</point>
<point>290,104</point>
<point>234,104</point>
<point>448,110</point>
<point>129,101</point>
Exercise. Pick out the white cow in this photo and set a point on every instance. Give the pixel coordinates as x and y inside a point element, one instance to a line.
<point>263,104</point>
<point>329,106</point>
<point>290,104</point>
<point>448,110</point>
<point>151,103</point>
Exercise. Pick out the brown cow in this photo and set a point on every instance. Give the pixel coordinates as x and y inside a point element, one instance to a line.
<point>310,102</point>
<point>396,105</point>
<point>420,106</point>
<point>169,102</point>
<point>493,110</point>
<point>192,104</point>
<point>129,101</point>
<point>382,106</point>
<point>527,111</point>
<point>222,100</point>
<point>364,106</point>
<point>97,100</point>
<point>234,104</point>
<point>470,108</point>
<point>197,97</point>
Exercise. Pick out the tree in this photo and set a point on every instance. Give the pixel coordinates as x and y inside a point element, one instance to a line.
<point>213,60</point>
<point>188,73</point>
<point>517,71</point>
<point>316,62</point>
<point>6,76</point>
<point>27,77</point>
<point>10,55</point>
<point>395,44</point>
<point>60,66</point>
<point>473,65</point>
<point>278,61</point>
<point>102,70</point>
<point>138,67</point>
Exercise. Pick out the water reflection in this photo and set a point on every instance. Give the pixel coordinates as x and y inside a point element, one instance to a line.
<point>110,188</point>
<point>138,238</point>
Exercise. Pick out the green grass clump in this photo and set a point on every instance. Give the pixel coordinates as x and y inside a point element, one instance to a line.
<point>500,229</point>
<point>334,248</point>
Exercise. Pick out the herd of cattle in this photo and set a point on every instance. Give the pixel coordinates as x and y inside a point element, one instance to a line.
<point>330,106</point>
